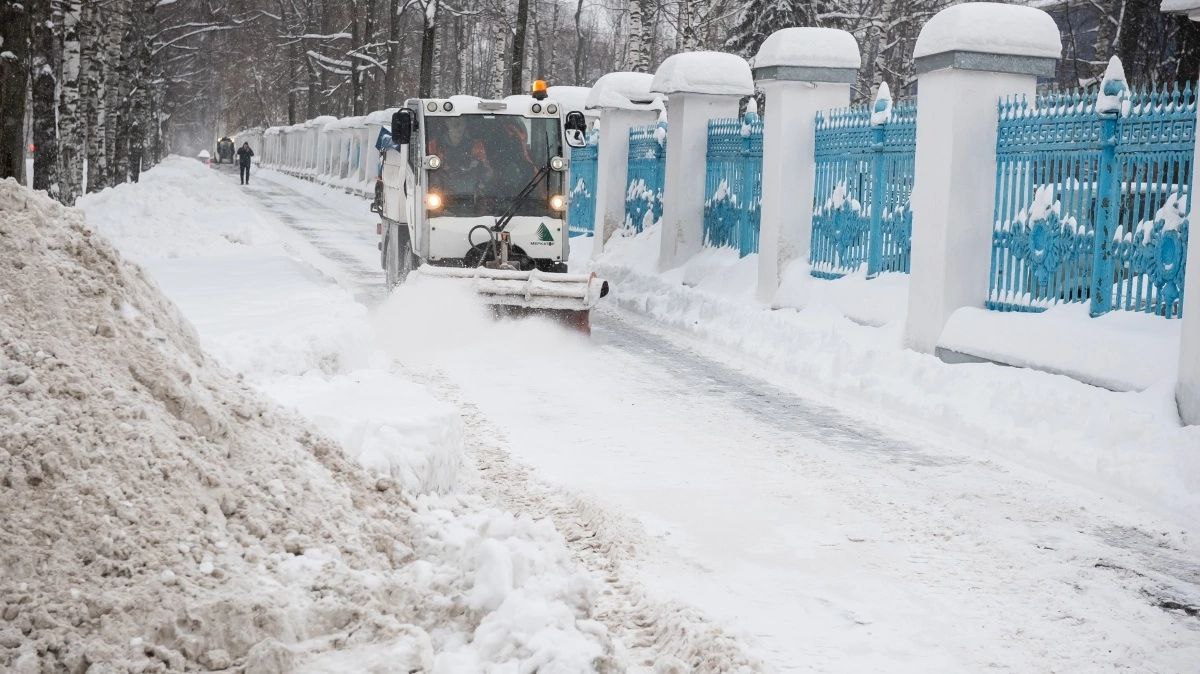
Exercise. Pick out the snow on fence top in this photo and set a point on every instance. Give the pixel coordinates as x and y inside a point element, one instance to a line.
<point>380,117</point>
<point>345,123</point>
<point>809,47</point>
<point>623,91</point>
<point>704,72</point>
<point>318,121</point>
<point>990,28</point>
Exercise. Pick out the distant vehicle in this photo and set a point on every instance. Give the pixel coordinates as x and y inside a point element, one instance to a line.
<point>225,150</point>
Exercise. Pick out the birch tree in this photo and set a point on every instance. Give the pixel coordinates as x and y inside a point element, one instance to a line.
<point>14,79</point>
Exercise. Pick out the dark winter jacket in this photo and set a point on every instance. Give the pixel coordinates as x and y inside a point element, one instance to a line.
<point>244,155</point>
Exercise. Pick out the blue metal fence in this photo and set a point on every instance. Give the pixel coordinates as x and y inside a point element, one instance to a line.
<point>581,215</point>
<point>864,176</point>
<point>647,175</point>
<point>733,183</point>
<point>1091,203</point>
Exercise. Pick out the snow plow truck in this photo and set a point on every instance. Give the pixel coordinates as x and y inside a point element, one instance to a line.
<point>225,150</point>
<point>474,191</point>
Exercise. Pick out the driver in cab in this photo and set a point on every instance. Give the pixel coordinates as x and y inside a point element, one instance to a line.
<point>465,166</point>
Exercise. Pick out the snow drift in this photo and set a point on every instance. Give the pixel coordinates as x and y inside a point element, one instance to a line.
<point>155,512</point>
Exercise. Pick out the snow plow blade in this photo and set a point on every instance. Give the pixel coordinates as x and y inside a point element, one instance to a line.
<point>568,298</point>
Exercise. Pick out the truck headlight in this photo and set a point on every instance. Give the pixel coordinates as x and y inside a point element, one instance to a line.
<point>558,202</point>
<point>552,109</point>
<point>433,201</point>
<point>433,162</point>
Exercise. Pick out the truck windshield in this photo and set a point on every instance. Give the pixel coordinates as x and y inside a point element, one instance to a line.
<point>488,159</point>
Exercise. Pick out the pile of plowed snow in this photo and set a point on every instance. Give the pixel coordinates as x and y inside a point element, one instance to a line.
<point>155,512</point>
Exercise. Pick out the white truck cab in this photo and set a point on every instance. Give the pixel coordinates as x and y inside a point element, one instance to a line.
<point>476,183</point>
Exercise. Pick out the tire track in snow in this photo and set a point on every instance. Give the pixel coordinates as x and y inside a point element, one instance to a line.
<point>601,542</point>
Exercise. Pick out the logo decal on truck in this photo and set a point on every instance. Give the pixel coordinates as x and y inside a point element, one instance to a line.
<point>544,234</point>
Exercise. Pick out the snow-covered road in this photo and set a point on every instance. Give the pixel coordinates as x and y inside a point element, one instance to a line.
<point>827,539</point>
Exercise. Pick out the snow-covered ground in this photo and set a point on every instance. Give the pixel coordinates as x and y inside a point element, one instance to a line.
<point>834,502</point>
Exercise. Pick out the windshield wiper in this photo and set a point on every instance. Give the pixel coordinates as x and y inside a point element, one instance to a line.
<point>511,211</point>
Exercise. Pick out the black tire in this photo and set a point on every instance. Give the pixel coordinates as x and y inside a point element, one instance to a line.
<point>398,257</point>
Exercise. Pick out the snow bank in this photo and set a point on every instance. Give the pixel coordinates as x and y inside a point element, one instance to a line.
<point>624,91</point>
<point>992,28</point>
<point>704,72</point>
<point>150,500</point>
<point>811,47</point>
<point>389,425</point>
<point>1125,350</point>
<point>1051,422</point>
<point>203,527</point>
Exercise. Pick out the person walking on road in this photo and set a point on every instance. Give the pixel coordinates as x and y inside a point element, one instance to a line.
<point>244,154</point>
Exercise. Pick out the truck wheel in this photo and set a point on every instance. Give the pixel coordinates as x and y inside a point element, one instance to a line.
<point>397,255</point>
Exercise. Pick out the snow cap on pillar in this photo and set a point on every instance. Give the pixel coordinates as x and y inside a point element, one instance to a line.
<point>989,36</point>
<point>808,54</point>
<point>1188,8</point>
<point>704,72</point>
<point>623,91</point>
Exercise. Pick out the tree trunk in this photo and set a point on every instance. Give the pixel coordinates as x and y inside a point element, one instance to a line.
<point>516,79</point>
<point>391,79</point>
<point>314,85</point>
<point>14,78</point>
<point>43,94</point>
<point>117,98</point>
<point>356,43</point>
<point>579,72</point>
<point>70,131</point>
<point>636,47</point>
<point>428,36</point>
<point>499,47</point>
<point>91,92</point>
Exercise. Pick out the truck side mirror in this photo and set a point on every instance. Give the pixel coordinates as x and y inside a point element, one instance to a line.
<point>402,126</point>
<point>575,127</point>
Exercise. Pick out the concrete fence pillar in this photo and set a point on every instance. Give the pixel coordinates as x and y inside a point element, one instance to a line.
<point>967,57</point>
<point>699,86</point>
<point>802,71</point>
<point>1187,390</point>
<point>624,101</point>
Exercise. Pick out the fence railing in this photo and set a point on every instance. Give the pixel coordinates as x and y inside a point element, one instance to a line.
<point>864,177</point>
<point>647,175</point>
<point>581,217</point>
<point>733,183</point>
<point>1091,201</point>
